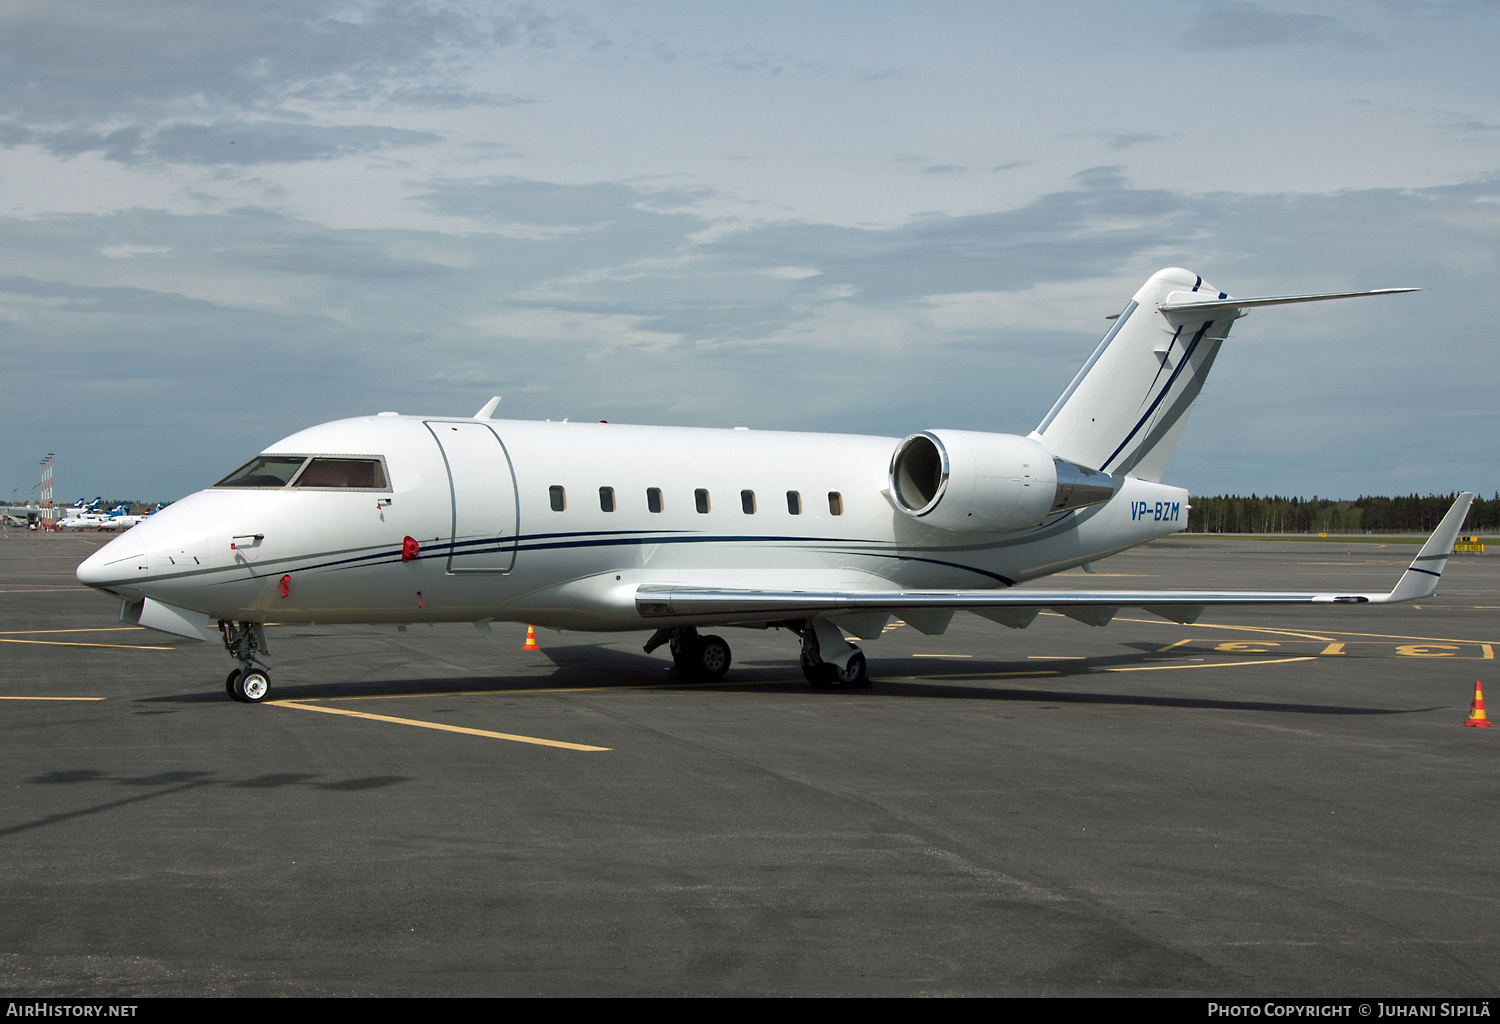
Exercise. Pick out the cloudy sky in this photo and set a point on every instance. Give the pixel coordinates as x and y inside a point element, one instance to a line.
<point>222,222</point>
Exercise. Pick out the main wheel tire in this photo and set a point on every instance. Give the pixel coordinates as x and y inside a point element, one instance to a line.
<point>229,685</point>
<point>253,685</point>
<point>819,674</point>
<point>855,674</point>
<point>712,657</point>
<point>685,659</point>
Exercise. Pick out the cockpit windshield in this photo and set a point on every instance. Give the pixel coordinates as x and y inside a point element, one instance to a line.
<point>363,474</point>
<point>339,472</point>
<point>265,471</point>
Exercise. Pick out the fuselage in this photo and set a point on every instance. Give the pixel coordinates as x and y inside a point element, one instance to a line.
<point>558,523</point>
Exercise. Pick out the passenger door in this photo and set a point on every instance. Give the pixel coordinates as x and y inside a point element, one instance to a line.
<point>485,505</point>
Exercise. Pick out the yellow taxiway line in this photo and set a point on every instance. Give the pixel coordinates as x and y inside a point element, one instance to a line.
<point>1033,674</point>
<point>53,698</point>
<point>10,636</point>
<point>99,629</point>
<point>75,643</point>
<point>434,725</point>
<point>1306,634</point>
<point>49,590</point>
<point>1211,664</point>
<point>1122,668</point>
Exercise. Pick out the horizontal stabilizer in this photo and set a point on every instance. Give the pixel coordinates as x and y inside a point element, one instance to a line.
<point>710,604</point>
<point>1188,303</point>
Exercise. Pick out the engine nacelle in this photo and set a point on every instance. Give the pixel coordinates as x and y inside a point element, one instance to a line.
<point>996,483</point>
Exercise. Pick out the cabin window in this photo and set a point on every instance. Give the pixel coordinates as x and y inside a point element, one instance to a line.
<point>559,498</point>
<point>794,503</point>
<point>835,503</point>
<point>265,471</point>
<point>747,502</point>
<point>606,499</point>
<point>653,499</point>
<point>353,474</point>
<point>700,498</point>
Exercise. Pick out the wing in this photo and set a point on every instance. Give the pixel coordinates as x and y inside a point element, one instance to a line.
<point>861,610</point>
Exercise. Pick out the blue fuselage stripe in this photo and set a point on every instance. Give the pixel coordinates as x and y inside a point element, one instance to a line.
<point>621,538</point>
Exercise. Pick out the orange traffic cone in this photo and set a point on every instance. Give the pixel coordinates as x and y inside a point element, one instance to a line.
<point>1476,710</point>
<point>530,645</point>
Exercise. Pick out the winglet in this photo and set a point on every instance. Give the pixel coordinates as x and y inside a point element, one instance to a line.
<point>488,412</point>
<point>1421,577</point>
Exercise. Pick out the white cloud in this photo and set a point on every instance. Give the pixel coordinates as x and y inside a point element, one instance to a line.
<point>596,333</point>
<point>121,252</point>
<point>445,198</point>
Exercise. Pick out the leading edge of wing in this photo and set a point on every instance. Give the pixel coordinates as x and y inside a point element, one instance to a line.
<point>655,601</point>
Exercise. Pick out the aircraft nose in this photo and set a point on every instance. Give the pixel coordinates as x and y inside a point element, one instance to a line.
<point>121,559</point>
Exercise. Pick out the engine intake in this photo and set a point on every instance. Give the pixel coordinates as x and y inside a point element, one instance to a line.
<point>997,483</point>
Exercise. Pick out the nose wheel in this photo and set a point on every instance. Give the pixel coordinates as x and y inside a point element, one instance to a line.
<point>248,686</point>
<point>249,683</point>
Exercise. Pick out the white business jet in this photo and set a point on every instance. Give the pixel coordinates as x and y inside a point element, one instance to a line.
<point>82,515</point>
<point>120,518</point>
<point>593,526</point>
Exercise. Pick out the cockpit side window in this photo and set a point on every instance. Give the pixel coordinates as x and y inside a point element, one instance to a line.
<point>345,474</point>
<point>264,471</point>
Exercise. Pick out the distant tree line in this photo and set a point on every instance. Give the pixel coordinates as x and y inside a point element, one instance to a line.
<point>1231,513</point>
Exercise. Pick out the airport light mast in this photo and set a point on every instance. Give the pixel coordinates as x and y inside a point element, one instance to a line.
<point>47,490</point>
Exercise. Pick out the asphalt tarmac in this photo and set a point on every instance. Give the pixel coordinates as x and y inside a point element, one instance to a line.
<point>1270,802</point>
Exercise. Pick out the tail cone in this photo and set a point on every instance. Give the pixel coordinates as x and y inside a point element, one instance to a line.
<point>1476,710</point>
<point>530,645</point>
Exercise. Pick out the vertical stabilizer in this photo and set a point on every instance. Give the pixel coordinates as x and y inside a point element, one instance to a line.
<point>1126,408</point>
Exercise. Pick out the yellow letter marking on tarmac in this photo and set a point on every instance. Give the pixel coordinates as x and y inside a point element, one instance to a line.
<point>434,725</point>
<point>1426,650</point>
<point>1246,647</point>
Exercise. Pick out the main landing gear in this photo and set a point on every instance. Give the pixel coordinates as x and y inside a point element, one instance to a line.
<point>845,666</point>
<point>828,660</point>
<point>250,681</point>
<point>696,657</point>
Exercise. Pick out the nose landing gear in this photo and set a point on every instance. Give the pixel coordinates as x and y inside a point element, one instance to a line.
<point>245,641</point>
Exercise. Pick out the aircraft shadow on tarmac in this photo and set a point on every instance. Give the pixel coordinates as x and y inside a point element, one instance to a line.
<point>163,784</point>
<point>596,667</point>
